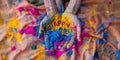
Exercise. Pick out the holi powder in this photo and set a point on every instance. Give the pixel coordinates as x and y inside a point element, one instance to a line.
<point>59,30</point>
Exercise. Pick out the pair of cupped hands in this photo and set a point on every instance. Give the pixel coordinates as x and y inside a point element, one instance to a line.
<point>71,10</point>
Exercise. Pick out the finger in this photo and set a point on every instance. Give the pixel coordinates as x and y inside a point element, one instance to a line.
<point>70,43</point>
<point>72,5</point>
<point>90,22</point>
<point>82,53</point>
<point>60,6</point>
<point>78,32</point>
<point>92,47</point>
<point>47,42</point>
<point>77,24</point>
<point>97,22</point>
<point>44,22</point>
<point>73,55</point>
<point>87,55</point>
<point>77,6</point>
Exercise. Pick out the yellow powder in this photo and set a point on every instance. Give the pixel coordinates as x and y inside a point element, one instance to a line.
<point>14,23</point>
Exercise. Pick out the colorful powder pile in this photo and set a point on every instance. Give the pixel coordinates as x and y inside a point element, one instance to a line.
<point>59,30</point>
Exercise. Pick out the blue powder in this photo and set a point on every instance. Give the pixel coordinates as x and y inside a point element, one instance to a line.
<point>47,21</point>
<point>60,29</point>
<point>112,19</point>
<point>102,41</point>
<point>51,44</point>
<point>118,55</point>
<point>117,42</point>
<point>70,35</point>
<point>82,5</point>
<point>47,45</point>
<point>43,43</point>
<point>37,28</point>
<point>101,28</point>
<point>54,38</point>
<point>105,35</point>
<point>75,42</point>
<point>96,56</point>
<point>47,53</point>
<point>64,37</point>
<point>19,1</point>
<point>51,48</point>
<point>55,47</point>
<point>41,18</point>
<point>70,52</point>
<point>40,35</point>
<point>61,8</point>
<point>61,13</point>
<point>65,30</point>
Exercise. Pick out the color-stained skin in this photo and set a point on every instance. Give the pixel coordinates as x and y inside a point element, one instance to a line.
<point>59,30</point>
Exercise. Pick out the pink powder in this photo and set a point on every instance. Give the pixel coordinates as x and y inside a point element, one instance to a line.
<point>31,30</point>
<point>33,11</point>
<point>13,48</point>
<point>58,53</point>
<point>79,43</point>
<point>21,31</point>
<point>33,22</point>
<point>20,9</point>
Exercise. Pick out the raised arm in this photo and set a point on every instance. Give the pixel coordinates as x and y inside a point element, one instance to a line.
<point>50,6</point>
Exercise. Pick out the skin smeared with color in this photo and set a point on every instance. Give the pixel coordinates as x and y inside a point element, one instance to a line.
<point>73,20</point>
<point>60,33</point>
<point>60,6</point>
